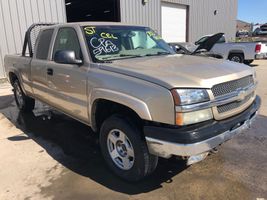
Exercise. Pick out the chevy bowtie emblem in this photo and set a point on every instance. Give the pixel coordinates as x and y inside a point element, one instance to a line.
<point>241,95</point>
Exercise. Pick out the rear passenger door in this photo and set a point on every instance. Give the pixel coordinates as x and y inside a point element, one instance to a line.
<point>67,82</point>
<point>38,71</point>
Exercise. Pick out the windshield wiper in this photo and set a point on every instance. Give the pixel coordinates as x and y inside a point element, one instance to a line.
<point>115,57</point>
<point>130,55</point>
<point>122,56</point>
<point>104,61</point>
<point>158,53</point>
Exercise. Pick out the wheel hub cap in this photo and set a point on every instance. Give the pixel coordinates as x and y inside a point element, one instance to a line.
<point>236,59</point>
<point>120,149</point>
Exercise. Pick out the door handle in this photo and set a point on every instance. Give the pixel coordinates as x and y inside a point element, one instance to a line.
<point>50,71</point>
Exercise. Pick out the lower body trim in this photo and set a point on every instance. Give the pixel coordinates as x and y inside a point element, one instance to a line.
<point>167,149</point>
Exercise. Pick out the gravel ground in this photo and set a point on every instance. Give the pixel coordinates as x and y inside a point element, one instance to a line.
<point>59,158</point>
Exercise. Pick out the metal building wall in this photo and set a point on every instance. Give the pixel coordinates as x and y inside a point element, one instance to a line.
<point>202,20</point>
<point>134,12</point>
<point>17,15</point>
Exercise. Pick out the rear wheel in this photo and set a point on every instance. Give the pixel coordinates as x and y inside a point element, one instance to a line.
<point>124,149</point>
<point>236,57</point>
<point>24,103</point>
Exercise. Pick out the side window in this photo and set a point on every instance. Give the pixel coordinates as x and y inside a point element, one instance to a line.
<point>67,39</point>
<point>202,39</point>
<point>222,40</point>
<point>43,44</point>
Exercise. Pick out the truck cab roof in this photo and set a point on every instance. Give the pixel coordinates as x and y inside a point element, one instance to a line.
<point>93,24</point>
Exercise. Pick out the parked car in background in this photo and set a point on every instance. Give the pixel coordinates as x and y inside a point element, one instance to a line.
<point>264,26</point>
<point>242,33</point>
<point>203,49</point>
<point>140,98</point>
<point>260,32</point>
<point>242,52</point>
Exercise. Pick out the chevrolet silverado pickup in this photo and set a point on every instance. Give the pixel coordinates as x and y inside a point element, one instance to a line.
<point>141,98</point>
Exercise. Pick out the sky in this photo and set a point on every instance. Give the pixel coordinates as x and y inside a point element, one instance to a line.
<point>252,11</point>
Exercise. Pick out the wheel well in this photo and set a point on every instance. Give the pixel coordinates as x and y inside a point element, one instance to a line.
<point>12,77</point>
<point>102,109</point>
<point>236,52</point>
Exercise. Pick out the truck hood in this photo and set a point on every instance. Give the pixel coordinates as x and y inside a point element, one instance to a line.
<point>209,43</point>
<point>173,71</point>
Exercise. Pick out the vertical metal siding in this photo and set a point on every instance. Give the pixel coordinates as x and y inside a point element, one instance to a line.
<point>202,20</point>
<point>17,15</point>
<point>134,12</point>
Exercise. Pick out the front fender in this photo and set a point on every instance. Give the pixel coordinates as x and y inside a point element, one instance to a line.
<point>131,102</point>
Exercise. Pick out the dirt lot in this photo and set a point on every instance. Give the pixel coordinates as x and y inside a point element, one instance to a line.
<point>58,158</point>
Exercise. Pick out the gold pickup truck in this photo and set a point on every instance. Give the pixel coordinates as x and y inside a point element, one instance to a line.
<point>144,100</point>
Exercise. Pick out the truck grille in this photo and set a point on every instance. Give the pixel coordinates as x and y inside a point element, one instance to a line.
<point>234,105</point>
<point>231,86</point>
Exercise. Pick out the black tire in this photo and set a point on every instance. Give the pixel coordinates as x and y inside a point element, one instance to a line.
<point>236,57</point>
<point>24,103</point>
<point>143,163</point>
<point>248,62</point>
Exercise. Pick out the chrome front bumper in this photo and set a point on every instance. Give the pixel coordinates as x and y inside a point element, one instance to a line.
<point>167,149</point>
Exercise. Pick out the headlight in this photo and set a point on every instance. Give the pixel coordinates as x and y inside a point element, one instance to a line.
<point>193,117</point>
<point>189,96</point>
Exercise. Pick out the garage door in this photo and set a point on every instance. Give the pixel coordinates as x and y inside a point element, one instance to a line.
<point>173,22</point>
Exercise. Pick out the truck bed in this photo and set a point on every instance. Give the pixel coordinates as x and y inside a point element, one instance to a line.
<point>20,65</point>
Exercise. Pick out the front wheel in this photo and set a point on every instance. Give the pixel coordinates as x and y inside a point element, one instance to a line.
<point>24,103</point>
<point>124,149</point>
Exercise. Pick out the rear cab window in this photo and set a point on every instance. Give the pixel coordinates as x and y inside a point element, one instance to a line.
<point>42,48</point>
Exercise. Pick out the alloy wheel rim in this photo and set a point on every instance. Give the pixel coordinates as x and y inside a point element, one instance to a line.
<point>236,59</point>
<point>120,149</point>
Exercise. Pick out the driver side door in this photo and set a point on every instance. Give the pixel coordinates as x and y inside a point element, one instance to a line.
<point>68,82</point>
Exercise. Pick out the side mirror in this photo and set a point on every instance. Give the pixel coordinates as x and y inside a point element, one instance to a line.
<point>196,43</point>
<point>66,57</point>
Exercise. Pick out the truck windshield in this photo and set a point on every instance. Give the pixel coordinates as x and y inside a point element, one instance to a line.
<point>108,43</point>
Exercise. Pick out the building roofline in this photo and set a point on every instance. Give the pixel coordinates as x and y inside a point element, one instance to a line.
<point>238,20</point>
